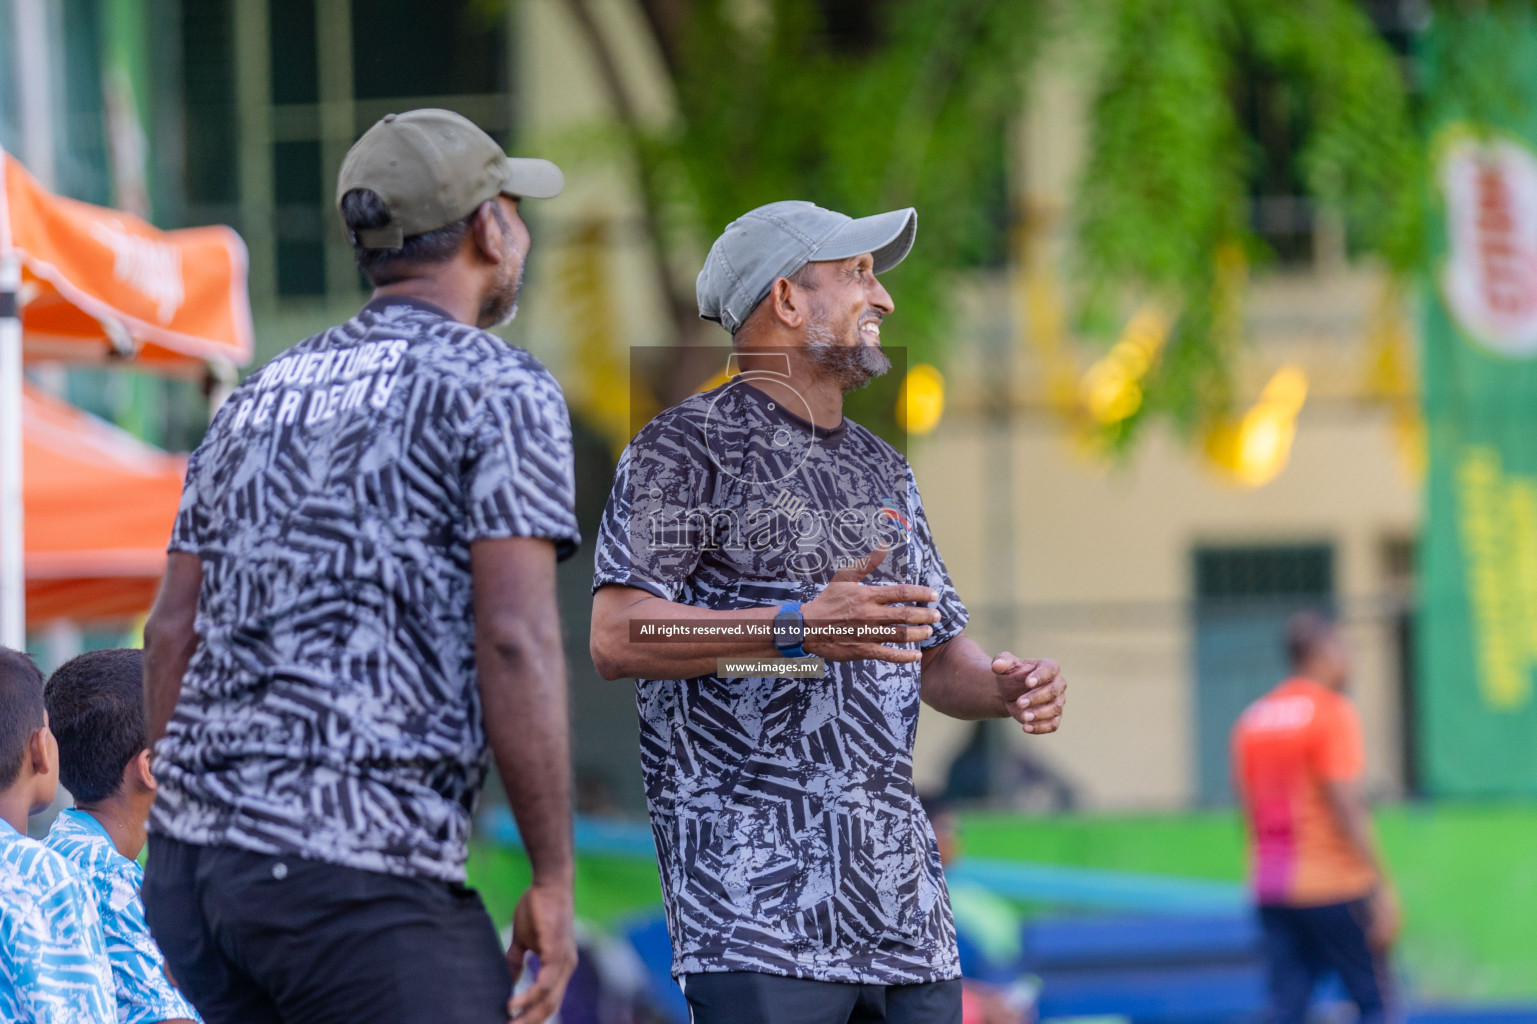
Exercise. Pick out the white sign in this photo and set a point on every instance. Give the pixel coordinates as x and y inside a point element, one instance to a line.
<point>1490,278</point>
<point>149,267</point>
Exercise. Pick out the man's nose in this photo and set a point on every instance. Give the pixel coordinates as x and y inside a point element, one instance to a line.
<point>880,298</point>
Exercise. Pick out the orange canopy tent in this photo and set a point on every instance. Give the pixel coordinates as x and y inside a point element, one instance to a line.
<point>100,503</point>
<point>99,283</point>
<point>84,283</point>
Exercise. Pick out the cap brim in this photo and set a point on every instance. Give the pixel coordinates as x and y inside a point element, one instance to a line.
<point>886,236</point>
<point>532,178</point>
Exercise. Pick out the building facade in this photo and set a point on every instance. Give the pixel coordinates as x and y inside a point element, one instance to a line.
<point>1159,582</point>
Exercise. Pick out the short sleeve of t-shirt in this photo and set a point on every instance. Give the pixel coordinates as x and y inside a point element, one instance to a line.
<point>1336,750</point>
<point>647,539</point>
<point>185,530</point>
<point>53,961</point>
<point>953,615</point>
<point>518,472</point>
<point>144,993</point>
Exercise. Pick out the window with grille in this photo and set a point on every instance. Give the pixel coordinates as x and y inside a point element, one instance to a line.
<point>1243,597</point>
<point>1226,574</point>
<point>402,54</point>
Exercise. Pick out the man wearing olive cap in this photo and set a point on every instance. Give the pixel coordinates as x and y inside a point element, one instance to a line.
<point>807,613</point>
<point>359,602</point>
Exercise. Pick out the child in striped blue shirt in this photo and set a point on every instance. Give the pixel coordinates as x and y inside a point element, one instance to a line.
<point>96,707</point>
<point>53,957</point>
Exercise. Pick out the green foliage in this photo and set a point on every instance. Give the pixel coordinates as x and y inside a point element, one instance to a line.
<point>1474,56</point>
<point>1163,188</point>
<point>909,106</point>
<point>1164,180</point>
<point>1362,156</point>
<point>867,105</point>
<point>1168,181</point>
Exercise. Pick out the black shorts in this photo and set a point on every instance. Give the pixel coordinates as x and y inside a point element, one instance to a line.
<point>748,997</point>
<point>255,939</point>
<point>1303,944</point>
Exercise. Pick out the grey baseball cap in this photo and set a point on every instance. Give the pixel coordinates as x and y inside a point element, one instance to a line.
<point>776,240</point>
<point>433,167</point>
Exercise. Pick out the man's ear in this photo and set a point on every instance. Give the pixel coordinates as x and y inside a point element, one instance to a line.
<point>137,774</point>
<point>43,754</point>
<point>42,751</point>
<point>787,303</point>
<point>142,772</point>
<point>486,232</point>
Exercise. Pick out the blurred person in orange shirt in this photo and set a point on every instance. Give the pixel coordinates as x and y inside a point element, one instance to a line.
<point>1325,901</point>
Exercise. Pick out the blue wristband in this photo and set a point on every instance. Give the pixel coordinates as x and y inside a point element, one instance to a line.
<point>790,630</point>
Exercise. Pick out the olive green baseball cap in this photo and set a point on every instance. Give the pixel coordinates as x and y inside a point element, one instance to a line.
<point>433,167</point>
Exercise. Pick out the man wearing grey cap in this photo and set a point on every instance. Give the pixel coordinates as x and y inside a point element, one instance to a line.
<point>358,603</point>
<point>783,554</point>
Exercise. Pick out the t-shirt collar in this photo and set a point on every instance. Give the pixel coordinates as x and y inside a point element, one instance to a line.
<point>87,821</point>
<point>384,302</point>
<point>777,411</point>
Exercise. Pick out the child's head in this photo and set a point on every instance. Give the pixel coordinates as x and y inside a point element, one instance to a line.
<point>29,757</point>
<point>96,709</point>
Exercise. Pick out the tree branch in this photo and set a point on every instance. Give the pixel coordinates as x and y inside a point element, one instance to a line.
<point>666,19</point>
<point>678,294</point>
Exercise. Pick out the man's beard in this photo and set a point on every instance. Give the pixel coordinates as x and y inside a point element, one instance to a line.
<point>851,366</point>
<point>501,304</point>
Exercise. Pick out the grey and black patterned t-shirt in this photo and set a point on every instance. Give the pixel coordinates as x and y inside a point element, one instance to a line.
<point>330,709</point>
<point>788,831</point>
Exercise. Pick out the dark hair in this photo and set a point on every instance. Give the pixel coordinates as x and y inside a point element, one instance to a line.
<point>96,710</point>
<point>364,208</point>
<point>21,710</point>
<point>805,277</point>
<point>1306,631</point>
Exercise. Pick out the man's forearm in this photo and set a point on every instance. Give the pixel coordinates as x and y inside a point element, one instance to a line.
<point>170,639</point>
<point>618,655</point>
<point>521,674</point>
<point>1355,819</point>
<point>958,681</point>
<point>163,672</point>
<point>523,701</point>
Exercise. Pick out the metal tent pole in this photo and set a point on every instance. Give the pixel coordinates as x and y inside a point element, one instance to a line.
<point>13,615</point>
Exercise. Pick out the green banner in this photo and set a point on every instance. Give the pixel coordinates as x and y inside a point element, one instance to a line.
<point>1478,609</point>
